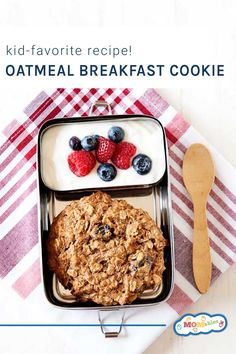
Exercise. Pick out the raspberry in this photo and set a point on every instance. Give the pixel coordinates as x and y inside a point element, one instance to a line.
<point>105,149</point>
<point>122,162</point>
<point>123,155</point>
<point>127,148</point>
<point>81,162</point>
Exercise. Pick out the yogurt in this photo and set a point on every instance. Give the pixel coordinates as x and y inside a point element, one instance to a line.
<point>145,133</point>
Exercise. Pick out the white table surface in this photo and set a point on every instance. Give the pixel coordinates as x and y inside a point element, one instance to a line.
<point>216,121</point>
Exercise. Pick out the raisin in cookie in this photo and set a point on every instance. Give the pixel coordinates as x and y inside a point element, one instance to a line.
<point>105,250</point>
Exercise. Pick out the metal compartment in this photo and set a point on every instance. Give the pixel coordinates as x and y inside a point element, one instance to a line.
<point>154,198</point>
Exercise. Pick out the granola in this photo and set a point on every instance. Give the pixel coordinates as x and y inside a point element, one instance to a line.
<point>105,250</point>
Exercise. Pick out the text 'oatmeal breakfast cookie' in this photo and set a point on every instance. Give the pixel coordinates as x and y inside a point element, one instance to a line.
<point>105,250</point>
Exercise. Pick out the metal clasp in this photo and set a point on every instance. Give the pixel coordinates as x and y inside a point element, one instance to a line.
<point>110,334</point>
<point>100,103</point>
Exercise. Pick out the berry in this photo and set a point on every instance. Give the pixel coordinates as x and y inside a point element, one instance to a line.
<point>105,149</point>
<point>105,231</point>
<point>116,134</point>
<point>123,154</point>
<point>107,172</point>
<point>149,260</point>
<point>81,162</point>
<point>102,229</point>
<point>89,142</point>
<point>126,148</point>
<point>142,164</point>
<point>75,143</point>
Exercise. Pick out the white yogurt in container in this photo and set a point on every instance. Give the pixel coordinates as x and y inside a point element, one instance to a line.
<point>145,133</point>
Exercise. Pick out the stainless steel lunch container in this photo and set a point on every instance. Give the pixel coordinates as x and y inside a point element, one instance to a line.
<point>154,198</point>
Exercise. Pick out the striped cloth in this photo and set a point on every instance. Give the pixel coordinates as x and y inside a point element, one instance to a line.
<point>19,252</point>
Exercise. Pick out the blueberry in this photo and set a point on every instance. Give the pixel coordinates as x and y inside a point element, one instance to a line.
<point>116,134</point>
<point>142,164</point>
<point>141,264</point>
<point>149,259</point>
<point>107,172</point>
<point>134,268</point>
<point>89,142</point>
<point>105,231</point>
<point>75,143</point>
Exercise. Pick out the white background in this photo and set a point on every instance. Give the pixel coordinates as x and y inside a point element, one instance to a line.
<point>210,108</point>
<point>155,45</point>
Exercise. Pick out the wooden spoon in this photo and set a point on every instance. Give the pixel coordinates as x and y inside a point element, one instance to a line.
<point>198,175</point>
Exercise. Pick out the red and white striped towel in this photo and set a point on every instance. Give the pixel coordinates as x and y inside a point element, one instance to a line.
<point>19,253</point>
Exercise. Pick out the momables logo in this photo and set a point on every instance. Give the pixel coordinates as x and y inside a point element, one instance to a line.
<point>201,323</point>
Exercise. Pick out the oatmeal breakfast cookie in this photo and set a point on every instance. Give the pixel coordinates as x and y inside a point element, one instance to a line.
<point>105,250</point>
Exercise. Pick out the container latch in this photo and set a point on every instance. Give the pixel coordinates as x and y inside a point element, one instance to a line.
<point>100,103</point>
<point>105,331</point>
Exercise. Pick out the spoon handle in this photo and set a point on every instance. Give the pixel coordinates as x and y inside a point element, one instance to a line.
<point>201,248</point>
